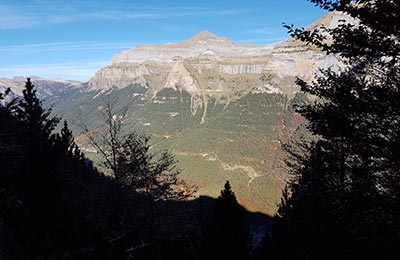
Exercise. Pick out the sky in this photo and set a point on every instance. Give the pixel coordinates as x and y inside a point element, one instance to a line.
<point>73,39</point>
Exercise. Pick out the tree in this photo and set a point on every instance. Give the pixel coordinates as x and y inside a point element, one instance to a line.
<point>152,174</point>
<point>9,127</point>
<point>108,142</point>
<point>228,236</point>
<point>48,193</point>
<point>67,144</point>
<point>144,180</point>
<point>344,201</point>
<point>43,184</point>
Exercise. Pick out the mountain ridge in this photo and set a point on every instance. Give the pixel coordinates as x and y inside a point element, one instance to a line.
<point>206,53</point>
<point>46,87</point>
<point>223,108</point>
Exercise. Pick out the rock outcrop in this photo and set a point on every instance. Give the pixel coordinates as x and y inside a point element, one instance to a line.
<point>172,65</point>
<point>192,64</point>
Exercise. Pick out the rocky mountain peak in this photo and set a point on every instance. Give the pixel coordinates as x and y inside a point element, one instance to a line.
<point>194,47</point>
<point>206,37</point>
<point>333,20</point>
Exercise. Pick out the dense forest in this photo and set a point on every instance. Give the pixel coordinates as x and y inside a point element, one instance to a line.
<point>342,201</point>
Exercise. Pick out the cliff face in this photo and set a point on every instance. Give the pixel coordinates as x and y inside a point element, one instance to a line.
<point>182,64</point>
<point>202,43</point>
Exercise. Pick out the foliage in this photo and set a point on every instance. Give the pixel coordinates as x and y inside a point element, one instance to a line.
<point>228,236</point>
<point>151,174</point>
<point>344,203</point>
<point>48,190</point>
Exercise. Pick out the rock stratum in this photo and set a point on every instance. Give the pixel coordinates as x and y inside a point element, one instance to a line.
<point>208,64</point>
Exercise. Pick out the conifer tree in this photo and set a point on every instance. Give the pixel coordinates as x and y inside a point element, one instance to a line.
<point>47,192</point>
<point>228,236</point>
<point>42,183</point>
<point>9,183</point>
<point>344,203</point>
<point>67,144</point>
<point>37,119</point>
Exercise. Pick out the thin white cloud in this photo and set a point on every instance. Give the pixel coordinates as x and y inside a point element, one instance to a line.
<point>79,71</point>
<point>120,15</point>
<point>65,46</point>
<point>109,15</point>
<point>12,17</point>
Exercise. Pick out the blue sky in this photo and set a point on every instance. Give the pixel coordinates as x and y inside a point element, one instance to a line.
<point>72,39</point>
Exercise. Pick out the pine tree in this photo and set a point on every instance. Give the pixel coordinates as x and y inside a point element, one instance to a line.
<point>345,202</point>
<point>49,195</point>
<point>10,165</point>
<point>37,119</point>
<point>228,236</point>
<point>29,180</point>
<point>67,144</point>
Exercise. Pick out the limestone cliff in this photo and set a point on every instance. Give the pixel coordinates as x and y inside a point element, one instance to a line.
<point>194,64</point>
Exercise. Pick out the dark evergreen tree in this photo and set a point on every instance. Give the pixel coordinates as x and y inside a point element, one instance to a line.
<point>67,143</point>
<point>49,195</point>
<point>227,236</point>
<point>9,149</point>
<point>42,182</point>
<point>344,203</point>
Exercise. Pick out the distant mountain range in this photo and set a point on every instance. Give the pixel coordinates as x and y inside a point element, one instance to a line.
<point>223,108</point>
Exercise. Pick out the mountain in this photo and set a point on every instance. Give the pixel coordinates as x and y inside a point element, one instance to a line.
<point>212,65</point>
<point>223,108</point>
<point>45,87</point>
